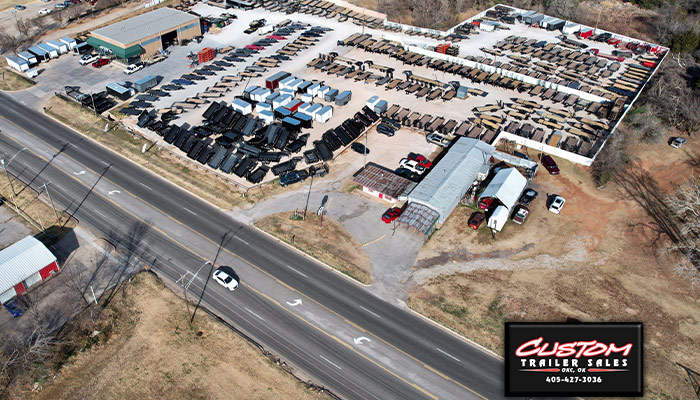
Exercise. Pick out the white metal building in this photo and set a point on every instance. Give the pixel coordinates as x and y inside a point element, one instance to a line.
<point>23,264</point>
<point>505,188</point>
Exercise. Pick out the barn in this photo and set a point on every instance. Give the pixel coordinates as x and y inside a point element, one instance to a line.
<point>24,264</point>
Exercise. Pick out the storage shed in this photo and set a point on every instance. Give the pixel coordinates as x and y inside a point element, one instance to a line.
<point>570,28</point>
<point>505,188</point>
<point>23,265</point>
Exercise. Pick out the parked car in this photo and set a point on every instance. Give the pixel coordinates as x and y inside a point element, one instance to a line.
<point>439,140</point>
<point>100,63</point>
<point>557,204</point>
<point>386,130</point>
<point>391,214</point>
<point>86,59</point>
<point>678,142</point>
<point>412,165</point>
<point>359,148</point>
<point>13,308</point>
<point>291,178</point>
<point>407,173</point>
<point>44,11</point>
<point>521,155</point>
<point>420,159</point>
<point>550,165</point>
<point>476,219</point>
<point>132,68</point>
<point>528,196</point>
<point>59,6</point>
<point>485,203</point>
<point>20,7</point>
<point>226,277</point>
<point>521,212</point>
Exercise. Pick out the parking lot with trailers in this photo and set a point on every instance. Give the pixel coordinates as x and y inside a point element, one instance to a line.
<point>509,84</point>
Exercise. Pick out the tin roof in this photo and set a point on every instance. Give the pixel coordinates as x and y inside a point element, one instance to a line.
<point>142,26</point>
<point>21,260</point>
<point>419,217</point>
<point>506,186</point>
<point>449,179</point>
<point>383,181</point>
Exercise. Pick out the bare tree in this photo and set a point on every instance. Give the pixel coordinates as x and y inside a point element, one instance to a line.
<point>8,42</point>
<point>648,126</point>
<point>40,24</point>
<point>685,205</point>
<point>612,157</point>
<point>75,282</point>
<point>24,26</point>
<point>562,8</point>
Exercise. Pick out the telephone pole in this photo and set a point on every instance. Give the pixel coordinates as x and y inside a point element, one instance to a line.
<point>46,187</point>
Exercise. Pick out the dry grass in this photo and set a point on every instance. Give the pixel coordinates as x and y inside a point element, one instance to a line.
<point>147,350</point>
<point>184,174</point>
<point>35,212</point>
<point>369,4</point>
<point>594,262</point>
<point>331,244</point>
<point>5,4</point>
<point>13,81</point>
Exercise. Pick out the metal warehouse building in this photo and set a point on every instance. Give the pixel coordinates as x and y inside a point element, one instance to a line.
<point>24,264</point>
<point>147,34</point>
<point>437,195</point>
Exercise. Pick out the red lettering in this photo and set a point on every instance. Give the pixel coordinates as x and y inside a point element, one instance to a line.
<point>543,353</point>
<point>567,350</point>
<point>521,352</point>
<point>596,350</point>
<point>583,346</point>
<point>614,349</point>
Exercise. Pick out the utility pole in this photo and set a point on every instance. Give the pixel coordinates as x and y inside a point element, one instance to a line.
<point>364,153</point>
<point>7,175</point>
<point>306,206</point>
<point>46,187</point>
<point>93,103</point>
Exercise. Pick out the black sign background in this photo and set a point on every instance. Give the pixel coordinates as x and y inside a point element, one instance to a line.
<point>622,383</point>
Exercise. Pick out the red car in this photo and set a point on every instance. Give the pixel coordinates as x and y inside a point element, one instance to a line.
<point>550,165</point>
<point>101,62</point>
<point>391,214</point>
<point>476,220</point>
<point>485,203</point>
<point>420,159</point>
<point>254,47</point>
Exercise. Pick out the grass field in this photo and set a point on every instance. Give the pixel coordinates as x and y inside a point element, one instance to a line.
<point>36,213</point>
<point>13,81</point>
<point>332,244</point>
<point>147,350</point>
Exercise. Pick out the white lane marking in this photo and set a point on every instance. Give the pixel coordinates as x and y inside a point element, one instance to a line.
<point>295,302</point>
<point>360,339</point>
<point>79,173</point>
<point>242,240</point>
<point>99,213</point>
<point>111,192</point>
<point>259,317</point>
<point>371,312</point>
<point>189,211</point>
<point>330,362</point>
<point>447,354</point>
<point>297,271</point>
<point>144,185</point>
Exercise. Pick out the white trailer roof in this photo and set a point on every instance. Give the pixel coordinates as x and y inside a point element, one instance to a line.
<point>506,186</point>
<point>21,260</point>
<point>498,218</point>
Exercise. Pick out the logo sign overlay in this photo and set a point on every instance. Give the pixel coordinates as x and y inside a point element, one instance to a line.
<point>573,359</point>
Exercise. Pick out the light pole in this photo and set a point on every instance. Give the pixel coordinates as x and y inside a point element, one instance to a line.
<point>46,187</point>
<point>4,166</point>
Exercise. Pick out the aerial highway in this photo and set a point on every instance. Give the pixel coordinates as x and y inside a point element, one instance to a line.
<point>328,329</point>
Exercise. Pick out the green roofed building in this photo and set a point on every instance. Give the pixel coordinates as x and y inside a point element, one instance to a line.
<point>140,37</point>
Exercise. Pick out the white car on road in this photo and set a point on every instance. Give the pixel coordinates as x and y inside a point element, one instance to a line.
<point>132,68</point>
<point>44,11</point>
<point>226,277</point>
<point>412,165</point>
<point>557,204</point>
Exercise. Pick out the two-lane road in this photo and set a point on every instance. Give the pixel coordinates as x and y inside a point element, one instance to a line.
<point>403,357</point>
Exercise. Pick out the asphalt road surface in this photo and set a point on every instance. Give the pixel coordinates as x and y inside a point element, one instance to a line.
<point>329,329</point>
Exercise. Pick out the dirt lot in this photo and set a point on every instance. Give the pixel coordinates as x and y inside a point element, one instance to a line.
<point>335,247</point>
<point>148,349</point>
<point>597,261</point>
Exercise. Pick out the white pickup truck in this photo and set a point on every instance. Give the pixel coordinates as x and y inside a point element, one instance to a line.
<point>132,68</point>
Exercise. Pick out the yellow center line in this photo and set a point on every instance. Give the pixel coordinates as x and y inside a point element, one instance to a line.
<point>200,235</point>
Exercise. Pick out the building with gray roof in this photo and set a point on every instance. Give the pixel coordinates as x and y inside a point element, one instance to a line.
<point>145,35</point>
<point>448,181</point>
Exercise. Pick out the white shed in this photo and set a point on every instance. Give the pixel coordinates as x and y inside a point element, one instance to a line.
<point>506,187</point>
<point>570,28</point>
<point>498,218</point>
<point>23,264</point>
<point>242,106</point>
<point>313,89</point>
